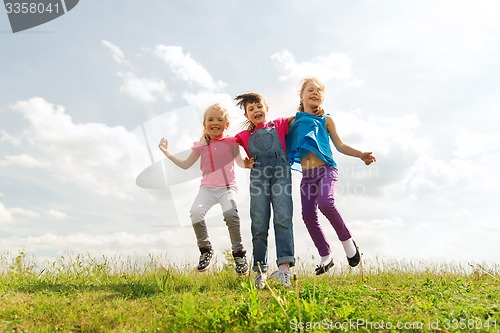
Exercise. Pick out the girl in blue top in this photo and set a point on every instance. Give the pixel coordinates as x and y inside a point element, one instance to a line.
<point>308,143</point>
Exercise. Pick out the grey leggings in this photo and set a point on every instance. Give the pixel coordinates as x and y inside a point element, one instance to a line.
<point>207,197</point>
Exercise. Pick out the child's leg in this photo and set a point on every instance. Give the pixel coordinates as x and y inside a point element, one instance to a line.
<point>227,201</point>
<point>308,196</point>
<point>326,202</point>
<point>202,203</point>
<point>260,214</point>
<point>281,199</point>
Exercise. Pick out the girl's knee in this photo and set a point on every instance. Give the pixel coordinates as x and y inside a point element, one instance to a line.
<point>197,214</point>
<point>309,213</point>
<point>231,216</point>
<point>326,205</point>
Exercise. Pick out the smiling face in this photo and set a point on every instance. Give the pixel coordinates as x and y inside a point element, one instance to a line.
<point>256,112</point>
<point>311,95</point>
<point>215,122</point>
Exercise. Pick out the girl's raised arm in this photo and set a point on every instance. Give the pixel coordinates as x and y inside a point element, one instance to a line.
<point>185,164</point>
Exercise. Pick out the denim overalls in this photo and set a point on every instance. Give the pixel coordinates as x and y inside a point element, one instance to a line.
<point>270,184</point>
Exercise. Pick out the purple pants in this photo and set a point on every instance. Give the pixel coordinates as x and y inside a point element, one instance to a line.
<point>316,191</point>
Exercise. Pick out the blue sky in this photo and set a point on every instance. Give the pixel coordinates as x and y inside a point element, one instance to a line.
<point>85,98</point>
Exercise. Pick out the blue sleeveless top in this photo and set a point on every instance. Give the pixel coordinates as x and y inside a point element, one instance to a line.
<point>308,134</point>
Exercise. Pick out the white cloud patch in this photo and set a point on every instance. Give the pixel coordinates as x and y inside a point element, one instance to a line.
<point>186,68</point>
<point>384,133</point>
<point>116,52</point>
<point>145,90</point>
<point>6,137</point>
<point>117,243</point>
<point>22,160</point>
<point>54,213</point>
<point>24,212</point>
<point>335,66</point>
<point>91,155</point>
<point>5,215</point>
<point>432,176</point>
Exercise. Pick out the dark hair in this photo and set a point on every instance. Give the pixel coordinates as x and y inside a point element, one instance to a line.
<point>246,98</point>
<point>243,100</point>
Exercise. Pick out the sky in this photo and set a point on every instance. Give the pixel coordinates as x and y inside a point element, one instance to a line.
<point>85,99</point>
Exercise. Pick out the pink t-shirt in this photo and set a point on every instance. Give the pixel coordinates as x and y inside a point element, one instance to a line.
<point>281,125</point>
<point>217,161</point>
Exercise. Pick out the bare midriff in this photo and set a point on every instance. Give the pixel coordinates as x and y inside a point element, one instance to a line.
<point>310,161</point>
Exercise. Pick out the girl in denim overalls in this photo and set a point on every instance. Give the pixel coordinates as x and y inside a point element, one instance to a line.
<point>270,185</point>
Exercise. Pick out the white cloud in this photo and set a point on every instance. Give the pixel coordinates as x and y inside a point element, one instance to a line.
<point>116,52</point>
<point>145,90</point>
<point>54,213</point>
<point>335,66</point>
<point>432,176</point>
<point>5,214</point>
<point>122,243</point>
<point>23,160</point>
<point>24,212</point>
<point>382,134</point>
<point>6,137</point>
<point>91,155</point>
<point>186,68</point>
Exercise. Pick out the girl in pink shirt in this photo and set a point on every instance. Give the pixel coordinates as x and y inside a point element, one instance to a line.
<point>218,184</point>
<point>270,188</point>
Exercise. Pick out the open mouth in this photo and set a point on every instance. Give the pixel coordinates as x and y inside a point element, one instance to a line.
<point>257,116</point>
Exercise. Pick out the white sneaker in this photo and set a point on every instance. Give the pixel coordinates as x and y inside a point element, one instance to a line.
<point>283,274</point>
<point>260,280</point>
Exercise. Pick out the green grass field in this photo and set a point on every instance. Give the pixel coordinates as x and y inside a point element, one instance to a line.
<point>86,294</point>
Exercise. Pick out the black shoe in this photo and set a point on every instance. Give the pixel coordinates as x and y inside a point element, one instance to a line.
<point>354,261</point>
<point>205,259</point>
<point>240,262</point>
<point>321,269</point>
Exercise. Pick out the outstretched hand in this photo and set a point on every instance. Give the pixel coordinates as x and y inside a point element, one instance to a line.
<point>163,145</point>
<point>368,158</point>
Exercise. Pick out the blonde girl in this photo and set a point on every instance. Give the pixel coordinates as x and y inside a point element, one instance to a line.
<point>308,143</point>
<point>218,184</point>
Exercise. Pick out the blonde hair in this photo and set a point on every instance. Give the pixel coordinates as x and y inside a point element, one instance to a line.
<point>218,107</point>
<point>303,85</point>
<point>243,100</point>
